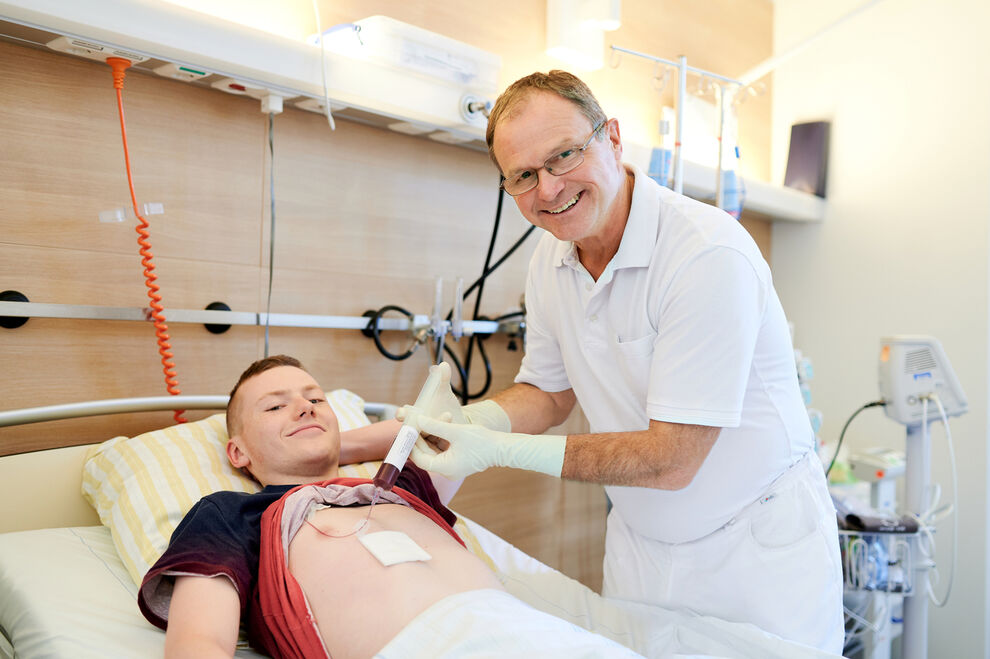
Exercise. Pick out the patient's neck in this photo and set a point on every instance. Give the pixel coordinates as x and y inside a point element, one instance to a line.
<point>300,478</point>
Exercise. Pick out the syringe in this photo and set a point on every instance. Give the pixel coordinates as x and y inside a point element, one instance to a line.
<point>435,399</point>
<point>396,458</point>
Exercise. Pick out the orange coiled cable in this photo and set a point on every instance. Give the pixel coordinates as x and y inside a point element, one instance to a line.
<point>119,66</point>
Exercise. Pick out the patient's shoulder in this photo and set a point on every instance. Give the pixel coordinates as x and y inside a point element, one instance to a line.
<point>232,509</point>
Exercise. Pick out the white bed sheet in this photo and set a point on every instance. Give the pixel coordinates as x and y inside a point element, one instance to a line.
<point>650,630</point>
<point>65,593</point>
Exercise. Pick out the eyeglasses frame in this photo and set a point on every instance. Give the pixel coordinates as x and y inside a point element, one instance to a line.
<point>580,149</point>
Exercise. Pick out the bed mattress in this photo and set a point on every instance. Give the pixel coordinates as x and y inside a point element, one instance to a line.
<point>65,593</point>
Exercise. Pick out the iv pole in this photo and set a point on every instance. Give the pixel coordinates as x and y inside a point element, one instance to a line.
<point>682,70</point>
<point>745,80</point>
<point>918,454</point>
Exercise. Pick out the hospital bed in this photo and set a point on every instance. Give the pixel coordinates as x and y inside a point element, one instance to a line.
<point>68,572</point>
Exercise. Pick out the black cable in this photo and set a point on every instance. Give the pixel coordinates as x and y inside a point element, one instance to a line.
<point>501,260</point>
<point>488,368</point>
<point>456,362</point>
<point>511,314</point>
<point>464,371</point>
<point>465,393</point>
<point>460,391</point>
<point>479,282</point>
<point>842,434</point>
<point>375,331</point>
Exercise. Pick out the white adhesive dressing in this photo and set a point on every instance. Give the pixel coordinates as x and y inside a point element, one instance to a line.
<point>393,547</point>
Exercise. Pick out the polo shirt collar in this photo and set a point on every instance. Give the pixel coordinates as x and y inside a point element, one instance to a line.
<point>639,237</point>
<point>635,249</point>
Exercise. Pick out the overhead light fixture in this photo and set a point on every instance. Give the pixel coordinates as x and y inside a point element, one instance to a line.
<point>576,30</point>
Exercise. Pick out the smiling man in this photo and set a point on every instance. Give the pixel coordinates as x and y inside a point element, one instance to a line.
<point>310,573</point>
<point>656,313</point>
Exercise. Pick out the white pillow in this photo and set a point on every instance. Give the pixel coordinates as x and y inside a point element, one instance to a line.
<point>143,486</point>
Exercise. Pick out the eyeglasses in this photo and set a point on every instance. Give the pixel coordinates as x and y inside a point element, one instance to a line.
<point>557,165</point>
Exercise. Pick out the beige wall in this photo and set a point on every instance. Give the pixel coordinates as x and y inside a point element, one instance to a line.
<point>364,218</point>
<point>903,248</point>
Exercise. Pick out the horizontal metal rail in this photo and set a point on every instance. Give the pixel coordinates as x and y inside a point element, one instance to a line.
<point>210,317</point>
<point>381,411</point>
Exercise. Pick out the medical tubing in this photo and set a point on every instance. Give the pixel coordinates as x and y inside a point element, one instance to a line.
<point>501,260</point>
<point>481,338</point>
<point>456,362</point>
<point>360,526</point>
<point>842,434</point>
<point>460,369</point>
<point>119,66</point>
<point>323,67</point>
<point>373,326</point>
<point>482,278</point>
<point>511,314</point>
<point>923,519</point>
<point>465,394</point>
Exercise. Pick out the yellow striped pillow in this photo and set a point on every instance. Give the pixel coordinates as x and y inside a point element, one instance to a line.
<point>143,486</point>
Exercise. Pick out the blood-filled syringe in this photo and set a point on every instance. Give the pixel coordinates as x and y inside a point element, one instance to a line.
<point>435,400</point>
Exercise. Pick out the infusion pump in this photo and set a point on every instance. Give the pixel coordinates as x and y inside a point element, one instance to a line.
<point>911,368</point>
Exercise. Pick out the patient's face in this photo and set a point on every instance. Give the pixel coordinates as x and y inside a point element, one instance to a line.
<point>289,433</point>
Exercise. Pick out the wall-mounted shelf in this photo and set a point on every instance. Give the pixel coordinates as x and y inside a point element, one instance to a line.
<point>776,202</point>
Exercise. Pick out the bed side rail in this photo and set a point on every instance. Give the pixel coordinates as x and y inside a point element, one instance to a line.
<point>381,411</point>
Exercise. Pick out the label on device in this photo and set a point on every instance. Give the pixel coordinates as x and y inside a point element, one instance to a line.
<point>392,547</point>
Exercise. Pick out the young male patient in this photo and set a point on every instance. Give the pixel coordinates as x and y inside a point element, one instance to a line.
<point>286,563</point>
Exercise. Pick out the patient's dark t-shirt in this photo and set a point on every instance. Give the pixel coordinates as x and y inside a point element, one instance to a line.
<point>221,535</point>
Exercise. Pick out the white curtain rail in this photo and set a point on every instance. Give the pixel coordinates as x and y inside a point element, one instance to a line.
<point>148,404</point>
<point>210,317</point>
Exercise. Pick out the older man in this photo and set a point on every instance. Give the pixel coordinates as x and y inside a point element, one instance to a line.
<point>658,315</point>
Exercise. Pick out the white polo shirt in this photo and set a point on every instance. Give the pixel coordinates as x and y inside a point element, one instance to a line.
<point>682,326</point>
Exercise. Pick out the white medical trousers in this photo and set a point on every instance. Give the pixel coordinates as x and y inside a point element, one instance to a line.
<point>776,564</point>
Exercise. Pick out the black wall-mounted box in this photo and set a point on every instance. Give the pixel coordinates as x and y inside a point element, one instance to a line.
<point>807,157</point>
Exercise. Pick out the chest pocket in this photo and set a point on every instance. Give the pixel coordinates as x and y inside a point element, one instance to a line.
<point>633,360</point>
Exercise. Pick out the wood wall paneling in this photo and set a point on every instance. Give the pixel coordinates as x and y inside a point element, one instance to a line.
<point>364,217</point>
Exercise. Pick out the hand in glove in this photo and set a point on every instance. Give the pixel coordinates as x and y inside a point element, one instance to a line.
<point>474,448</point>
<point>486,413</point>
